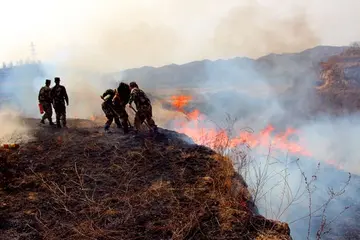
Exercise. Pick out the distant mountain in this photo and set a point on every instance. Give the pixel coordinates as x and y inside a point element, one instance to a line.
<point>292,77</point>
<point>275,68</point>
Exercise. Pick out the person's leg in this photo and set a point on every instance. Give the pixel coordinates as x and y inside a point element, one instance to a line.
<point>138,120</point>
<point>64,122</point>
<point>117,121</point>
<point>57,113</point>
<point>149,118</point>
<point>50,113</point>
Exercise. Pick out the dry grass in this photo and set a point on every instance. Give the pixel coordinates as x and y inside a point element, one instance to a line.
<point>79,184</point>
<point>337,92</point>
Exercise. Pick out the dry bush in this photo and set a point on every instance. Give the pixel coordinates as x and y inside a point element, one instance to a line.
<point>352,50</point>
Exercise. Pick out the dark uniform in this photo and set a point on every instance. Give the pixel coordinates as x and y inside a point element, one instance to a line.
<point>59,96</point>
<point>46,101</point>
<point>143,106</point>
<point>114,109</point>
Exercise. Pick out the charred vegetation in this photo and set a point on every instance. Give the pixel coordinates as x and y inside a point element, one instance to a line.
<point>82,184</point>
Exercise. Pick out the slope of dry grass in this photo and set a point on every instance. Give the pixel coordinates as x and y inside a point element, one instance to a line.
<point>82,184</point>
<point>340,81</point>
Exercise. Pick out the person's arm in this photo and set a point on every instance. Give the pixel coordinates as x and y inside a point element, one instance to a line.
<point>40,92</point>
<point>52,93</point>
<point>106,95</point>
<point>132,97</point>
<point>66,96</point>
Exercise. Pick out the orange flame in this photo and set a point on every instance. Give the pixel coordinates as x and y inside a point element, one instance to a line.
<point>179,102</point>
<point>215,139</point>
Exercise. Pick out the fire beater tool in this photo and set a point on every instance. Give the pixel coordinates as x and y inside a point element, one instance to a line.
<point>135,113</point>
<point>116,112</point>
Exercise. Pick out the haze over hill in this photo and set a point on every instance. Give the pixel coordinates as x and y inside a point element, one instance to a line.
<point>277,89</point>
<point>127,34</point>
<point>284,97</point>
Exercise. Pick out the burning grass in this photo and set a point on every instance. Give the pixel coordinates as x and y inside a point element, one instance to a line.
<point>81,184</point>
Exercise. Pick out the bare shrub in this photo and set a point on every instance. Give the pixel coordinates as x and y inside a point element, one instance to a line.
<point>353,49</point>
<point>269,176</point>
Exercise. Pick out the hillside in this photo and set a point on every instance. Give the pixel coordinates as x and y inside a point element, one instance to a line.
<point>340,81</point>
<point>213,84</point>
<point>276,67</point>
<point>81,184</point>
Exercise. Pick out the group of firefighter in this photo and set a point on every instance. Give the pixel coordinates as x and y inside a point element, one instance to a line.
<point>113,105</point>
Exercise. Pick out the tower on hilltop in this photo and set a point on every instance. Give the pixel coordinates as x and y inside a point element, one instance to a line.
<point>33,52</point>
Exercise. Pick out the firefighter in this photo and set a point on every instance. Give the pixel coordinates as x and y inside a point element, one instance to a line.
<point>113,106</point>
<point>59,96</point>
<point>45,100</point>
<point>143,107</point>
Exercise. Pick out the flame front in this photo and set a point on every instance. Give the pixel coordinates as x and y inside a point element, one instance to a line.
<point>179,102</point>
<point>201,134</point>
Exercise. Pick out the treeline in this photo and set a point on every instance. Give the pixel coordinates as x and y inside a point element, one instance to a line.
<point>7,65</point>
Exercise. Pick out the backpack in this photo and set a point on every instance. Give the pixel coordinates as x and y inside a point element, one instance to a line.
<point>124,92</point>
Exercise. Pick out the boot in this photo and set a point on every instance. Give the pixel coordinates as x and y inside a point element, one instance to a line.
<point>42,121</point>
<point>155,129</point>
<point>51,122</point>
<point>106,128</point>
<point>126,129</point>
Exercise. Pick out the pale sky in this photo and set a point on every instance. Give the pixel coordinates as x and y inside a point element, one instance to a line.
<point>131,33</point>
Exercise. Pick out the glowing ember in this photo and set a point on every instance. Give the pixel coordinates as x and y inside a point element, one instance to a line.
<point>92,118</point>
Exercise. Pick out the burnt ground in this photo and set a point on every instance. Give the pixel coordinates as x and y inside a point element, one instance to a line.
<point>81,183</point>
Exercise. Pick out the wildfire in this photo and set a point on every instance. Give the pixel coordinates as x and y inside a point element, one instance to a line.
<point>179,102</point>
<point>214,138</point>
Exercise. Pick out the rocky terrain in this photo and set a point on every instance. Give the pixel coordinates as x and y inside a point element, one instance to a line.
<point>80,183</point>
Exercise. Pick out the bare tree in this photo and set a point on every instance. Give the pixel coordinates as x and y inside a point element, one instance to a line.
<point>354,49</point>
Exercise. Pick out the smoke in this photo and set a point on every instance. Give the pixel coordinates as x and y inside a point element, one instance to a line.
<point>255,30</point>
<point>13,130</point>
<point>331,134</point>
<point>106,43</point>
<point>112,47</point>
<point>255,99</point>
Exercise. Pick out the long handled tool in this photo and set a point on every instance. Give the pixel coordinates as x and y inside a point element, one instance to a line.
<point>135,113</point>
<point>116,112</point>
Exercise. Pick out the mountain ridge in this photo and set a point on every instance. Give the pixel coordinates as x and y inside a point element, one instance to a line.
<point>195,73</point>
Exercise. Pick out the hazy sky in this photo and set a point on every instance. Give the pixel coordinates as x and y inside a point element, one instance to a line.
<point>131,33</point>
